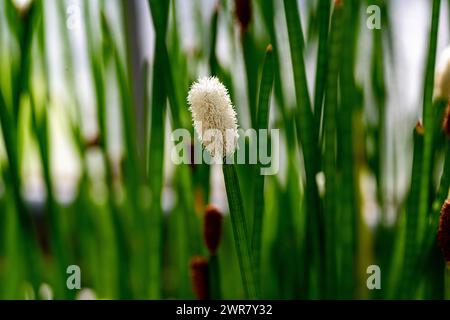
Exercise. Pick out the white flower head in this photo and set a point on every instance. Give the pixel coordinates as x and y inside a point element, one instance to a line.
<point>442,81</point>
<point>214,117</point>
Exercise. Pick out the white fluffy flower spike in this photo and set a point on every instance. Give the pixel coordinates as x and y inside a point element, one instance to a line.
<point>214,116</point>
<point>442,81</point>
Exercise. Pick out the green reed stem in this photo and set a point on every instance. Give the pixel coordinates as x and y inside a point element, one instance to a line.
<point>428,122</point>
<point>307,134</point>
<point>348,216</point>
<point>160,12</point>
<point>265,91</point>
<point>240,231</point>
<point>323,11</point>
<point>331,205</point>
<point>251,68</point>
<point>411,239</point>
<point>215,287</point>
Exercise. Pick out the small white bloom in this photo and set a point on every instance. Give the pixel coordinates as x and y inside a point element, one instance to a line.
<point>214,117</point>
<point>442,81</point>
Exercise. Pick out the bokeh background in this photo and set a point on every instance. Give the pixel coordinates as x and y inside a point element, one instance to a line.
<point>91,61</point>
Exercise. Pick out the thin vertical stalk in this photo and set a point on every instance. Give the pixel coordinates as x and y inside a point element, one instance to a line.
<point>428,122</point>
<point>215,287</point>
<point>240,231</point>
<point>265,90</point>
<point>323,11</point>
<point>411,240</point>
<point>307,134</point>
<point>160,12</point>
<point>346,148</point>
<point>331,204</point>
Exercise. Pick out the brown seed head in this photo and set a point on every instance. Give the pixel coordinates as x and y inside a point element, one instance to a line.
<point>212,228</point>
<point>419,128</point>
<point>444,230</point>
<point>243,12</point>
<point>198,267</point>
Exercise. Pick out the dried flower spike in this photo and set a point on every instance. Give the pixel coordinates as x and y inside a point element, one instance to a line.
<point>199,276</point>
<point>444,230</point>
<point>243,13</point>
<point>212,228</point>
<point>442,81</point>
<point>214,117</point>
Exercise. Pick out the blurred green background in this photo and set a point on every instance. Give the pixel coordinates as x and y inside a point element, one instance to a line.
<point>91,90</point>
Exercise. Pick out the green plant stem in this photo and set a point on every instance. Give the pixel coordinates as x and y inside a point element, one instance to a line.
<point>425,248</point>
<point>162,90</point>
<point>323,11</point>
<point>447,281</point>
<point>215,287</point>
<point>240,231</point>
<point>156,169</point>
<point>331,205</point>
<point>307,135</point>
<point>262,123</point>
<point>160,12</point>
<point>213,63</point>
<point>348,200</point>
<point>249,51</point>
<point>411,216</point>
<point>428,113</point>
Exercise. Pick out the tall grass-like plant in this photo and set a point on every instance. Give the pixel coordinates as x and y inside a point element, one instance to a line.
<point>428,114</point>
<point>211,109</point>
<point>307,136</point>
<point>262,117</point>
<point>331,205</point>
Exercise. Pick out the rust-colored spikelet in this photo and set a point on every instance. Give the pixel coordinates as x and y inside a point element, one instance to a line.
<point>444,230</point>
<point>338,3</point>
<point>419,128</point>
<point>446,122</point>
<point>212,228</point>
<point>199,276</point>
<point>243,12</point>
